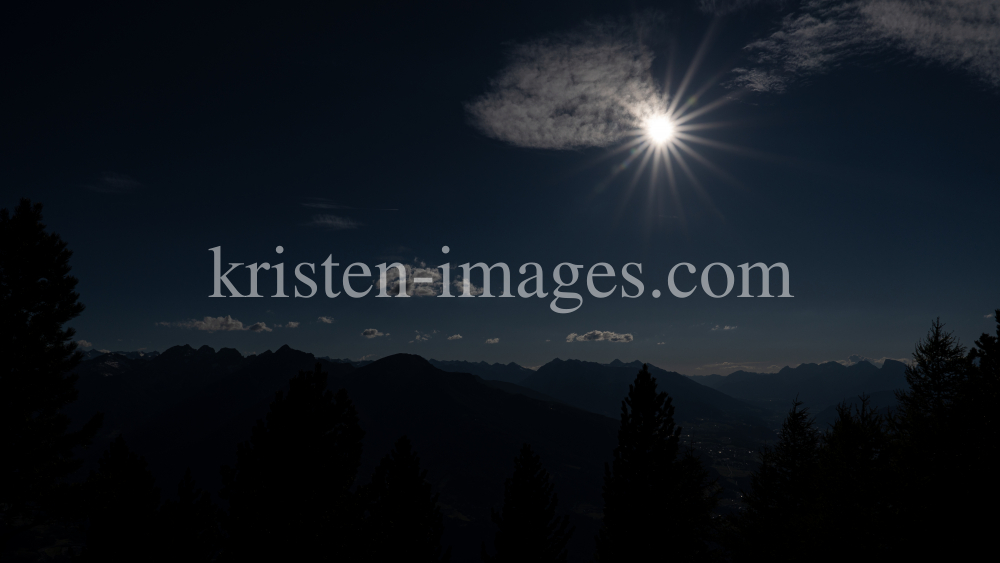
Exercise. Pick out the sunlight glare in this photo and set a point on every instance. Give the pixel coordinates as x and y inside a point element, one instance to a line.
<point>659,129</point>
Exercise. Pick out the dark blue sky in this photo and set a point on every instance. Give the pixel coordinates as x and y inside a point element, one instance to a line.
<point>151,136</point>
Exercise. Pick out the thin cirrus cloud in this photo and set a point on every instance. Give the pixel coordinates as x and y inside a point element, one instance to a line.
<point>325,320</point>
<point>818,35</point>
<point>333,222</point>
<point>588,87</point>
<point>599,336</point>
<point>217,324</point>
<point>372,333</point>
<point>724,327</point>
<point>114,183</point>
<point>492,340</point>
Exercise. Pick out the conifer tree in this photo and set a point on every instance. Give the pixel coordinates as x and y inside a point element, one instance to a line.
<point>404,522</point>
<point>937,375</point>
<point>944,433</point>
<point>528,529</point>
<point>122,508</point>
<point>655,502</point>
<point>854,485</point>
<point>290,493</point>
<point>778,510</point>
<point>189,526</point>
<point>37,297</point>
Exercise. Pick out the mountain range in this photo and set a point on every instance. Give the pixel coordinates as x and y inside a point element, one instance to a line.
<point>189,407</point>
<point>818,386</point>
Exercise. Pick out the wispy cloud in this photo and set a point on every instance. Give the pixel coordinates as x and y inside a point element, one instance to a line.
<point>84,344</point>
<point>217,324</point>
<point>372,333</point>
<point>114,183</point>
<point>455,337</point>
<point>325,320</point>
<point>598,336</point>
<point>818,35</point>
<point>334,222</point>
<point>724,327</point>
<point>588,87</point>
<point>492,340</point>
<point>990,316</point>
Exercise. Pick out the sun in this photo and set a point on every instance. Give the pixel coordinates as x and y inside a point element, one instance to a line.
<point>659,129</point>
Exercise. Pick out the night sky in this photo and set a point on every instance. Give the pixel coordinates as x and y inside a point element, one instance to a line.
<point>854,142</point>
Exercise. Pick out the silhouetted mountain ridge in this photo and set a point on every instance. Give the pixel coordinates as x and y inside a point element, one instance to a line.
<point>817,385</point>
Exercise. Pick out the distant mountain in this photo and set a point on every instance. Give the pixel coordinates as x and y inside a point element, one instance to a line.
<point>355,363</point>
<point>817,385</point>
<point>91,354</point>
<point>511,373</point>
<point>600,388</point>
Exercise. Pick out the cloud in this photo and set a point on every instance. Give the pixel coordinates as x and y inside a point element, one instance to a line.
<point>492,340</point>
<point>417,270</point>
<point>326,320</point>
<point>334,222</point>
<point>819,35</point>
<point>84,344</point>
<point>725,327</point>
<point>455,337</point>
<point>856,359</point>
<point>421,336</point>
<point>599,335</point>
<point>589,87</point>
<point>105,351</point>
<point>292,324</point>
<point>371,333</point>
<point>214,324</point>
<point>990,316</point>
<point>457,285</point>
<point>660,343</point>
<point>113,183</point>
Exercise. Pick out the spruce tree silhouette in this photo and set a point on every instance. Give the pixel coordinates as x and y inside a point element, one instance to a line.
<point>122,505</point>
<point>290,493</point>
<point>37,298</point>
<point>189,526</point>
<point>980,435</point>
<point>528,529</point>
<point>777,519</point>
<point>854,510</point>
<point>404,522</point>
<point>935,436</point>
<point>654,502</point>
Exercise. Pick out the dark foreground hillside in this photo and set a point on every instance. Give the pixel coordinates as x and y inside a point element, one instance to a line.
<point>466,432</point>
